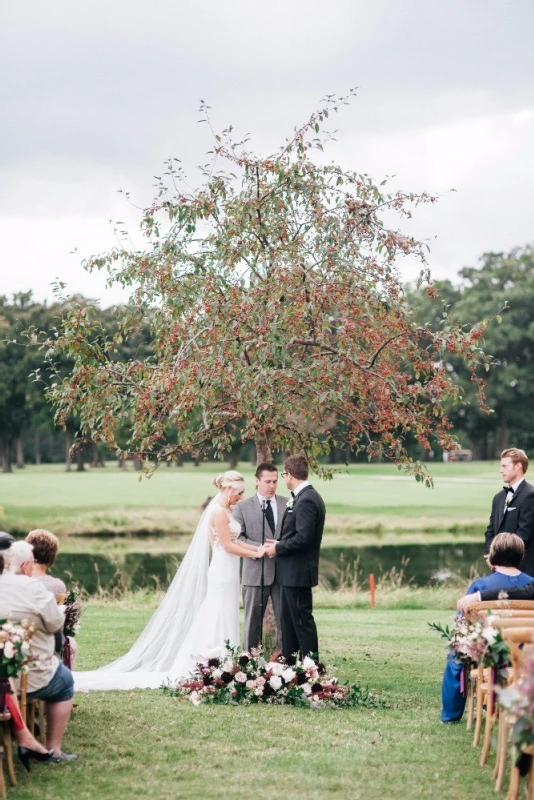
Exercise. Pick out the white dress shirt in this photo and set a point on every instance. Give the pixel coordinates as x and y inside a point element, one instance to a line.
<point>511,491</point>
<point>263,499</point>
<point>300,487</point>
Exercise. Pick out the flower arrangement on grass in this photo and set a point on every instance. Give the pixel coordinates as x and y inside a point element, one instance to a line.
<point>242,678</point>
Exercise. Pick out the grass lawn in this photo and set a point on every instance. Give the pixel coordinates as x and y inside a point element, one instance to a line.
<point>368,500</point>
<point>143,744</point>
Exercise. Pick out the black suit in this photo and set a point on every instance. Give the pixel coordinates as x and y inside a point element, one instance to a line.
<point>518,518</point>
<point>297,570</point>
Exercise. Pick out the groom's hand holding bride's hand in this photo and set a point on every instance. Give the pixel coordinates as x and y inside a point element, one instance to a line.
<point>270,548</point>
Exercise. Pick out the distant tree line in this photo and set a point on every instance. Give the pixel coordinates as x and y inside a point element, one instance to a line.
<point>28,433</point>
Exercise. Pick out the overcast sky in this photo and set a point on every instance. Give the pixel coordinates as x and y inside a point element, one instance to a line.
<point>95,95</point>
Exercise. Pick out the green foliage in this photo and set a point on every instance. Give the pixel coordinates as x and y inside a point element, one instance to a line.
<point>275,313</point>
<point>502,283</point>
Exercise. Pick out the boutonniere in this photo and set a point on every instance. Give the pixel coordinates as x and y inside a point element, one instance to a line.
<point>289,504</point>
<point>509,498</point>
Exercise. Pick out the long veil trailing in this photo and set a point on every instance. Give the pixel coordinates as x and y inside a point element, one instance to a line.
<point>163,650</point>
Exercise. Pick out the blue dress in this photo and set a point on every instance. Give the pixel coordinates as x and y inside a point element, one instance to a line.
<point>452,699</point>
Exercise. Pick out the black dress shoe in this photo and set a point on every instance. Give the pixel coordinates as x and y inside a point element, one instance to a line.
<point>25,754</point>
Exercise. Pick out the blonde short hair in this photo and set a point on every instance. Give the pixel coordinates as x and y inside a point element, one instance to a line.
<point>518,456</point>
<point>506,550</point>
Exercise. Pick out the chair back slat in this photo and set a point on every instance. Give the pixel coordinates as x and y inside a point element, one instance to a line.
<point>501,605</point>
<point>516,638</point>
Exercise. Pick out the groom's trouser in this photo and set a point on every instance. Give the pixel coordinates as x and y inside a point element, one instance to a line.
<point>299,631</point>
<point>252,623</point>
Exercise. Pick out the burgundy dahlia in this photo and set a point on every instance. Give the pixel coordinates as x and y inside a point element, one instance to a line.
<point>226,677</point>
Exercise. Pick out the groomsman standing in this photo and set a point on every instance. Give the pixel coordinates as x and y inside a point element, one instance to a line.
<point>250,515</point>
<point>297,554</point>
<point>513,508</point>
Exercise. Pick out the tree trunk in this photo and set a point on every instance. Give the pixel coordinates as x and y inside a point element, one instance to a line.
<point>138,463</point>
<point>94,455</point>
<point>6,457</point>
<point>232,460</point>
<point>20,452</point>
<point>505,433</point>
<point>79,460</point>
<point>37,447</point>
<point>263,450</point>
<point>67,451</point>
<point>123,464</point>
<point>348,454</point>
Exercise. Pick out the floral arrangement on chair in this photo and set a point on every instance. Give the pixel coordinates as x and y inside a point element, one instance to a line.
<point>474,641</point>
<point>73,612</point>
<point>15,657</point>
<point>246,678</point>
<point>518,699</point>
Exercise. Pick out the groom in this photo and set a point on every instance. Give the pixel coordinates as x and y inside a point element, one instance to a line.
<point>260,518</point>
<point>297,555</point>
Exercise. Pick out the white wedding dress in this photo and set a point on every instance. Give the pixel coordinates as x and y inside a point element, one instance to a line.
<point>198,614</point>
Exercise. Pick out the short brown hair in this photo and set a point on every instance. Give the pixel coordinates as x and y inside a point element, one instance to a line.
<point>265,466</point>
<point>518,456</point>
<point>297,466</point>
<point>45,546</point>
<point>506,550</point>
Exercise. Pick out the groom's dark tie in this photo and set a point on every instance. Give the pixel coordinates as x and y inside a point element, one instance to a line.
<point>269,516</point>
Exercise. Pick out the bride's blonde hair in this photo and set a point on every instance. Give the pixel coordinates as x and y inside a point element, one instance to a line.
<point>231,479</point>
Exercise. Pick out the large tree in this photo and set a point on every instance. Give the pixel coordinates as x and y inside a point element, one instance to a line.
<point>504,280</point>
<point>276,315</point>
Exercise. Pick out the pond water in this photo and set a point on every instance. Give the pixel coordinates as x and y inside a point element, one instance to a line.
<point>420,564</point>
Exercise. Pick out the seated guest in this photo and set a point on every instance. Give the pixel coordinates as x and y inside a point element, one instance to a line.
<point>19,559</point>
<point>505,555</point>
<point>45,546</point>
<point>48,678</point>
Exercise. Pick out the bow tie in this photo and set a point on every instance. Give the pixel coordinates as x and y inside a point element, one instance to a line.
<point>508,489</point>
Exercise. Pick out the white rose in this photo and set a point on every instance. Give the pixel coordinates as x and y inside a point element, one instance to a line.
<point>275,668</point>
<point>490,634</point>
<point>195,699</point>
<point>306,688</point>
<point>308,663</point>
<point>240,677</point>
<point>258,691</point>
<point>217,673</point>
<point>288,674</point>
<point>251,684</point>
<point>228,666</point>
<point>9,650</point>
<point>275,682</point>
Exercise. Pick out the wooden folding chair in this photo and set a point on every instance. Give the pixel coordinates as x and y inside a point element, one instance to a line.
<point>6,753</point>
<point>32,710</point>
<point>516,639</point>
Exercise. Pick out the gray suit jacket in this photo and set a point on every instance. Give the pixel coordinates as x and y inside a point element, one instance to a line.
<point>249,515</point>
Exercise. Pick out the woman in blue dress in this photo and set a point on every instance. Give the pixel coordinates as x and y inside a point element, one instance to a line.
<point>505,555</point>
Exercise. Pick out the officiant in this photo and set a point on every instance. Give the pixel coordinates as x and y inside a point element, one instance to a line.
<point>260,515</point>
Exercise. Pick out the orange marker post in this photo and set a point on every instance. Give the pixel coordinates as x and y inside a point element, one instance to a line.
<point>372,589</point>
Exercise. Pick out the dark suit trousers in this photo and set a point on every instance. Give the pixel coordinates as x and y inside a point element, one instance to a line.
<point>299,632</point>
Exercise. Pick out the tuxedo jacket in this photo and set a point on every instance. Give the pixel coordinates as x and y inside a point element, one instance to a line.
<point>518,518</point>
<point>297,552</point>
<point>250,516</point>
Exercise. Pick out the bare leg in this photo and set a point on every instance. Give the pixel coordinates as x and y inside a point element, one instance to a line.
<point>25,739</point>
<point>57,717</point>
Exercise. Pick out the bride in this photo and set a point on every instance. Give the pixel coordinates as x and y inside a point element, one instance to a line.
<point>200,610</point>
